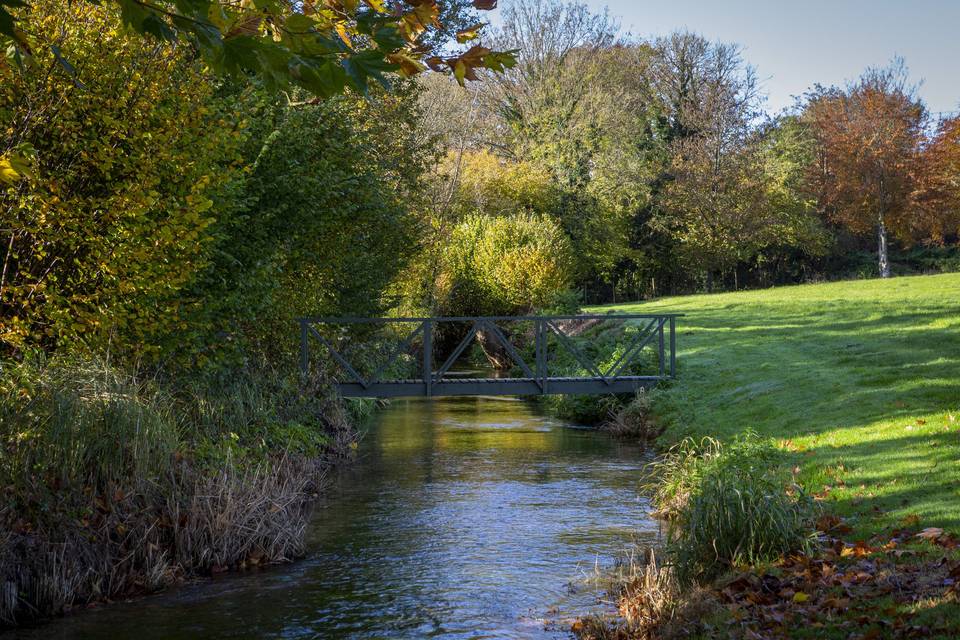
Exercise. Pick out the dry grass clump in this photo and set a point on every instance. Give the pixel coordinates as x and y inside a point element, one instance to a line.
<point>244,515</point>
<point>113,486</point>
<point>651,605</point>
<point>133,542</point>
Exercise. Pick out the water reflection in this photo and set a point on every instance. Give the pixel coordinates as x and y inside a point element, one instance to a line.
<point>466,518</point>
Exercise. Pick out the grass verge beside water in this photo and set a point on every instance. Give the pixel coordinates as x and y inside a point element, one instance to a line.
<point>858,386</point>
<point>859,382</point>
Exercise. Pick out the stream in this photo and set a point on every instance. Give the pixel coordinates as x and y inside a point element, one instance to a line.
<point>464,518</point>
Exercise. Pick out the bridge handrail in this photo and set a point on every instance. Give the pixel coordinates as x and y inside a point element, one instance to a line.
<point>610,316</point>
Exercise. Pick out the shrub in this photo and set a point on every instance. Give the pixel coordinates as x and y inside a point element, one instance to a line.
<point>326,223</point>
<point>729,505</point>
<point>493,186</point>
<point>633,420</point>
<point>506,265</point>
<point>135,161</point>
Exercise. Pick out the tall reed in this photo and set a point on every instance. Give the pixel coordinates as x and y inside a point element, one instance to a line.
<point>729,505</point>
<point>118,483</point>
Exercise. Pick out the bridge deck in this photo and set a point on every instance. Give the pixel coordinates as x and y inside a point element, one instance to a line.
<point>415,387</point>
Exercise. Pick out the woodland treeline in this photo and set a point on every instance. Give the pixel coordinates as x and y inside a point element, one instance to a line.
<point>659,163</point>
<point>177,213</point>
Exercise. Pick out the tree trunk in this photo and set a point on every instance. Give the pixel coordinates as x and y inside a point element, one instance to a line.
<point>496,353</point>
<point>709,281</point>
<point>882,248</point>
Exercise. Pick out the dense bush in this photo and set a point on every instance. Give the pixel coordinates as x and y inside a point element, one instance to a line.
<point>493,186</point>
<point>324,227</point>
<point>505,265</point>
<point>134,160</point>
<point>729,505</point>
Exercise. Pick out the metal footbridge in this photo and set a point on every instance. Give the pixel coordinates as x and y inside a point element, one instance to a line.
<point>539,355</point>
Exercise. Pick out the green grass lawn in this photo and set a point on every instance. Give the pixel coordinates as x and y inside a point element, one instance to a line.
<point>859,380</point>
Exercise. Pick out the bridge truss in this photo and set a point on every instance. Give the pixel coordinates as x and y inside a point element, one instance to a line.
<point>400,357</point>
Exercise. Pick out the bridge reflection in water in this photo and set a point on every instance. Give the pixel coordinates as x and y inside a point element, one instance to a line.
<point>396,357</point>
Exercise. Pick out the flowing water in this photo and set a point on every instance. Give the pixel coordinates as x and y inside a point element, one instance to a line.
<point>464,518</point>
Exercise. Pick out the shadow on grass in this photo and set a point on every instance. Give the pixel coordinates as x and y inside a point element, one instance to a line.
<point>890,479</point>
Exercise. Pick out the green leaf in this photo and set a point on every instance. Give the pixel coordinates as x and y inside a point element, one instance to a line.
<point>365,65</point>
<point>299,23</point>
<point>499,61</point>
<point>326,79</point>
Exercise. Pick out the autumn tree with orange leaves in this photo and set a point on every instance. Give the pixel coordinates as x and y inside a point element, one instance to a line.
<point>869,137</point>
<point>937,194</point>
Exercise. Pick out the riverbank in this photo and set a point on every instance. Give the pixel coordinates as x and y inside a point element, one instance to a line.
<point>462,517</point>
<point>857,384</point>
<point>118,484</point>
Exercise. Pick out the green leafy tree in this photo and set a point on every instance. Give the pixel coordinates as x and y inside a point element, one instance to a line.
<point>325,224</point>
<point>132,160</point>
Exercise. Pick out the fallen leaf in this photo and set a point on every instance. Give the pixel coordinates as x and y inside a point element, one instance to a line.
<point>930,533</point>
<point>800,597</point>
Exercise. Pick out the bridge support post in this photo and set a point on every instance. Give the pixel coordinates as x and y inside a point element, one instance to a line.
<point>663,361</point>
<point>427,365</point>
<point>540,348</point>
<point>673,347</point>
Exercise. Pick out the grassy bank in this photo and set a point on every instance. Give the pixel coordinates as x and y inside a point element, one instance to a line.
<point>855,386</point>
<point>859,381</point>
<point>117,483</point>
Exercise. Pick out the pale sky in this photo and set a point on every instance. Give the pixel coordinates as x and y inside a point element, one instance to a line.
<point>796,44</point>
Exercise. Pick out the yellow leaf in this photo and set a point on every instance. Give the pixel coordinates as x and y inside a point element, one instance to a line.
<point>342,32</point>
<point>7,173</point>
<point>470,33</point>
<point>800,597</point>
<point>460,71</point>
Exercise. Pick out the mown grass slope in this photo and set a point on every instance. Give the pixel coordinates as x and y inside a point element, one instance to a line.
<point>859,380</point>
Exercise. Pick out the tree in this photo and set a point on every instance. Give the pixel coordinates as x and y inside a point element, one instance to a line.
<point>936,198</point>
<point>713,200</point>
<point>131,171</point>
<point>321,47</point>
<point>717,206</point>
<point>706,88</point>
<point>551,110</point>
<point>324,227</point>
<point>869,136</point>
<point>324,49</point>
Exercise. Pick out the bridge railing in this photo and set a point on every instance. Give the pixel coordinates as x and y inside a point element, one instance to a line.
<point>406,362</point>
